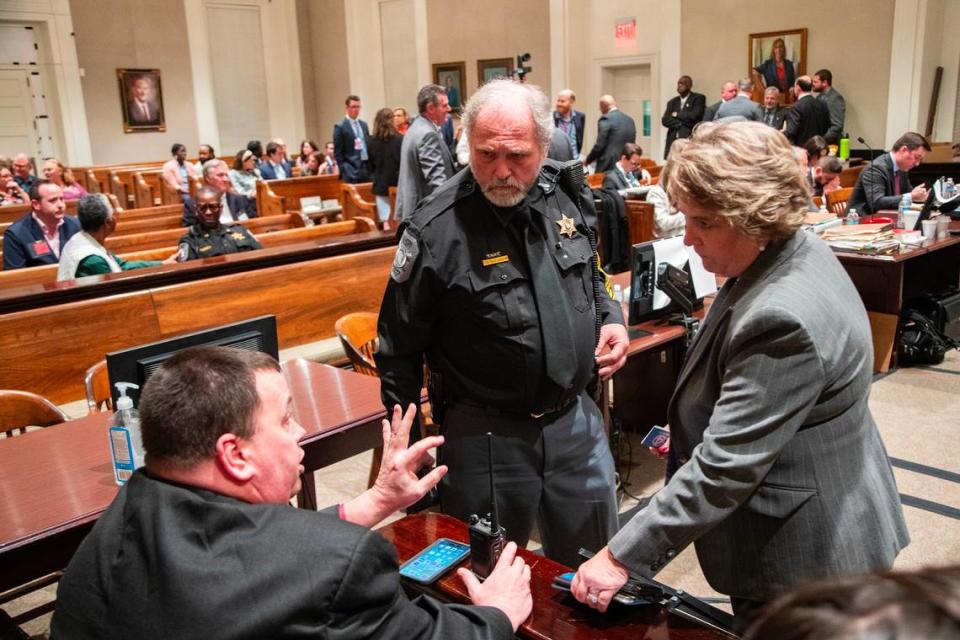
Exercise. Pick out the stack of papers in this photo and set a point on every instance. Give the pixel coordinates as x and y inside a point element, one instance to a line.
<point>820,222</point>
<point>862,238</point>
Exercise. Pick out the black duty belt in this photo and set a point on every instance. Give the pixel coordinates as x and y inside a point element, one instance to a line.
<point>545,416</point>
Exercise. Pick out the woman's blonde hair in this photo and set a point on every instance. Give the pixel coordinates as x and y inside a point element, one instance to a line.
<point>65,173</point>
<point>747,172</point>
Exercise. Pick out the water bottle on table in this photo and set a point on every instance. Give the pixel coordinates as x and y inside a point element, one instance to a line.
<point>903,210</point>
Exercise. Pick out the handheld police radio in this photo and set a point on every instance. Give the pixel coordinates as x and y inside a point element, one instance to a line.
<point>486,534</point>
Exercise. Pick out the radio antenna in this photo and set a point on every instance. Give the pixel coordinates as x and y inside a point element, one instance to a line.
<point>494,516</point>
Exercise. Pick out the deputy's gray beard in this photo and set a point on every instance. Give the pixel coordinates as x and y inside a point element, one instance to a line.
<point>502,197</point>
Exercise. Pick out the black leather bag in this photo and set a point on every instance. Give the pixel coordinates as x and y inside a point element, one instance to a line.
<point>921,342</point>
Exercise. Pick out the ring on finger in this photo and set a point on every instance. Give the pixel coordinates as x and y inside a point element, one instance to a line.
<point>593,597</point>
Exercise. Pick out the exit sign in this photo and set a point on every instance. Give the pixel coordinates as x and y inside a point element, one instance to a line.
<point>625,29</point>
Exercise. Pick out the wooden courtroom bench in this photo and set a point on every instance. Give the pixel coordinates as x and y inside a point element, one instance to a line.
<point>14,212</point>
<point>151,190</point>
<point>170,237</point>
<point>639,220</point>
<point>147,213</point>
<point>48,349</point>
<point>48,273</point>
<point>282,196</point>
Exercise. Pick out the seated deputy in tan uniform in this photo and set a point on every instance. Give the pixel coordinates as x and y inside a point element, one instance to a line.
<point>85,254</point>
<point>209,237</point>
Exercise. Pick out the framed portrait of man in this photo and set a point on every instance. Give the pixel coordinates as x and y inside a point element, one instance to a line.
<point>487,70</point>
<point>777,58</point>
<point>452,77</point>
<point>141,99</point>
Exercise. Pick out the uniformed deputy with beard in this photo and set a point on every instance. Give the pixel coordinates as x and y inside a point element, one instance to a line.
<point>495,285</point>
<point>209,237</point>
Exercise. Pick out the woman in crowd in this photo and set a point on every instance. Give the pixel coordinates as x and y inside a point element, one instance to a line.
<point>401,120</point>
<point>10,191</point>
<point>775,471</point>
<point>307,149</point>
<point>328,165</point>
<point>384,149</point>
<point>54,171</point>
<point>816,148</point>
<point>244,174</point>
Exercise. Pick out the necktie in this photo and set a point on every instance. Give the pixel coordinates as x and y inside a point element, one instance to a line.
<point>363,143</point>
<point>896,183</point>
<point>146,112</point>
<point>632,179</point>
<point>561,364</point>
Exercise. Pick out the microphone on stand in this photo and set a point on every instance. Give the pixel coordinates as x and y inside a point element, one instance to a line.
<point>867,185</point>
<point>869,148</point>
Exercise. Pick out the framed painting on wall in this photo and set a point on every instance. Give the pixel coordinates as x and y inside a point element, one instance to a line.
<point>452,76</point>
<point>141,99</point>
<point>487,70</point>
<point>777,58</point>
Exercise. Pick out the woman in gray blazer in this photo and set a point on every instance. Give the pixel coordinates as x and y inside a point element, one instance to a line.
<point>776,471</point>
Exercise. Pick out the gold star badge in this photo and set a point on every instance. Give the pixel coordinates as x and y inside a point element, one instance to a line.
<point>236,235</point>
<point>566,226</point>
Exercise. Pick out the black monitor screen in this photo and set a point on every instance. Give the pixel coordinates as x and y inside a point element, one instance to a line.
<point>137,364</point>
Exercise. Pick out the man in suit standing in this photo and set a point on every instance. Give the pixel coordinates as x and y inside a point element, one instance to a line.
<point>836,105</point>
<point>683,112</point>
<point>614,129</point>
<point>727,92</point>
<point>773,113</point>
<point>570,121</point>
<point>350,144</point>
<point>808,116</point>
<point>212,509</point>
<point>425,160</point>
<point>741,104</point>
<point>276,166</point>
<point>883,182</point>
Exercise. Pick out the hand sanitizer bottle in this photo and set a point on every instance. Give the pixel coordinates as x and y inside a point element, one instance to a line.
<point>126,443</point>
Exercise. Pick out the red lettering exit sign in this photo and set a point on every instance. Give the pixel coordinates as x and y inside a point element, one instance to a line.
<point>625,30</point>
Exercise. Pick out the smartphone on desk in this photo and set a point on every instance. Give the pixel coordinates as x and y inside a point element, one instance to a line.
<point>434,561</point>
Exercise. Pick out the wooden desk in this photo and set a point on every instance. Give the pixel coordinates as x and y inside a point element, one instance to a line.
<point>55,482</point>
<point>886,282</point>
<point>555,615</point>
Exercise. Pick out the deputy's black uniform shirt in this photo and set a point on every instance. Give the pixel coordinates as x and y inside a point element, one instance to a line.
<point>201,243</point>
<point>460,292</point>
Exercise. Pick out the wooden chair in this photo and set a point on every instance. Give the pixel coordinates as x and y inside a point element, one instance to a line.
<point>595,180</point>
<point>18,411</point>
<point>22,409</point>
<point>96,383</point>
<point>358,335</point>
<point>837,200</point>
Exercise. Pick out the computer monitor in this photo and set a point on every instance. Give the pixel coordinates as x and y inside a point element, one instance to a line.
<point>137,364</point>
<point>647,301</point>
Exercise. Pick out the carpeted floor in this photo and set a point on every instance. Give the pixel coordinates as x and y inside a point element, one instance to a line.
<point>918,412</point>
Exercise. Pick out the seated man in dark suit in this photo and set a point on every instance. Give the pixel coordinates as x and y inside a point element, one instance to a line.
<point>210,236</point>
<point>203,543</point>
<point>623,176</point>
<point>37,237</point>
<point>883,182</point>
<point>234,206</point>
<point>276,166</point>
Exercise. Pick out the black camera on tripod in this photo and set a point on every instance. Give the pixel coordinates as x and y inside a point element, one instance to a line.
<point>522,70</point>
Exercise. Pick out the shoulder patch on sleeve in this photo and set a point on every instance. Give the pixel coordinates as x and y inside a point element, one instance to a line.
<point>406,256</point>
